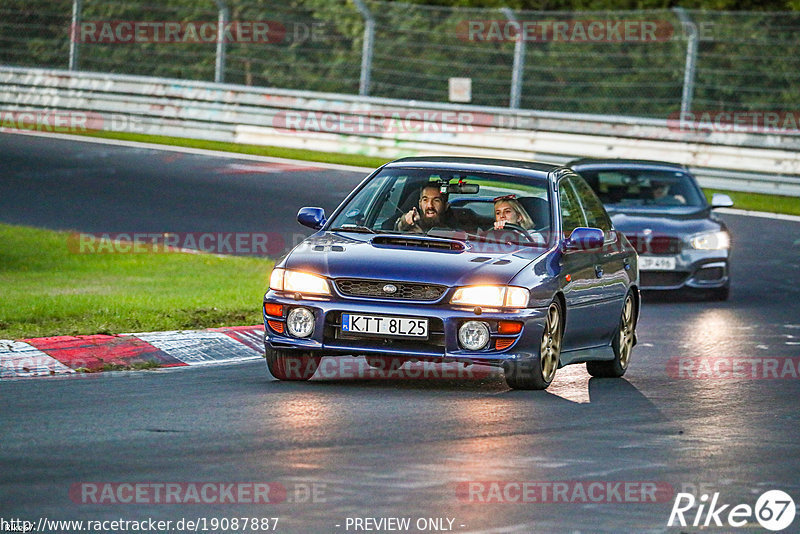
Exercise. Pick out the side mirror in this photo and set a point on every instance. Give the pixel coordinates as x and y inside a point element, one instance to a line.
<point>720,200</point>
<point>583,238</point>
<point>312,217</point>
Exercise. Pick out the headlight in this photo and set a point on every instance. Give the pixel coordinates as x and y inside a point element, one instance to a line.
<point>298,282</point>
<point>276,279</point>
<point>492,296</point>
<point>711,241</point>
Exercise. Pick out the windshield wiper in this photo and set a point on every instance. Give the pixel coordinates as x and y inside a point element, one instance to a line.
<point>355,228</point>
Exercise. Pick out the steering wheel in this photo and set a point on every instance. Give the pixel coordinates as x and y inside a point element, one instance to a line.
<point>519,229</point>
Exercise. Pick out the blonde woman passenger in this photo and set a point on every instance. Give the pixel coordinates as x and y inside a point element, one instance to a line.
<point>508,210</point>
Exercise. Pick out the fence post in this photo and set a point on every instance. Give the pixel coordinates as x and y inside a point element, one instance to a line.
<point>691,61</point>
<point>219,67</point>
<point>519,62</point>
<point>73,34</point>
<point>366,51</point>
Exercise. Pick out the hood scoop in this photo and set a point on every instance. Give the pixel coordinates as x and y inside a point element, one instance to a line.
<point>419,243</point>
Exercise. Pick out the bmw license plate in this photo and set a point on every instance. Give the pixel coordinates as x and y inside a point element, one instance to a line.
<point>382,325</point>
<point>657,263</point>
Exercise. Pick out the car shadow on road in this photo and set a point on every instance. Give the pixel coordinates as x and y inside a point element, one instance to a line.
<point>572,385</point>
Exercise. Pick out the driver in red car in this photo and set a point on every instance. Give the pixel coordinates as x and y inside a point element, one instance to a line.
<point>433,212</point>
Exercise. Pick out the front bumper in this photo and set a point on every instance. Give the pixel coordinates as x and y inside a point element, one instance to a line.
<point>699,269</point>
<point>443,324</point>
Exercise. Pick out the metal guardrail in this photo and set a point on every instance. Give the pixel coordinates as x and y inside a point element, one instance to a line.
<point>642,62</point>
<point>743,161</point>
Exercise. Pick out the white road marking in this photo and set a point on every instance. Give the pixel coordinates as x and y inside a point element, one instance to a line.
<point>762,214</point>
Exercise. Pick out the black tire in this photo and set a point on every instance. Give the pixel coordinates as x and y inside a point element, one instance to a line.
<point>290,365</point>
<point>622,344</point>
<point>538,373</point>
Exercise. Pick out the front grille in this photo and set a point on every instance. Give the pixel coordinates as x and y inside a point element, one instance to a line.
<point>655,244</point>
<point>662,278</point>
<point>354,287</point>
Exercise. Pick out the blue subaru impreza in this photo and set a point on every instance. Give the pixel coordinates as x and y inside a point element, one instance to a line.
<point>480,261</point>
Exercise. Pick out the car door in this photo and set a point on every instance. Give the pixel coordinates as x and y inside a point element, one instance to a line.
<point>578,270</point>
<point>611,276</point>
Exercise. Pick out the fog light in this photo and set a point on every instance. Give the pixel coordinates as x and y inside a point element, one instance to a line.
<point>473,335</point>
<point>300,322</point>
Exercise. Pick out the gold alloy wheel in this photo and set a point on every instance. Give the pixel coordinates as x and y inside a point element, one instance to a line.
<point>550,349</point>
<point>626,330</point>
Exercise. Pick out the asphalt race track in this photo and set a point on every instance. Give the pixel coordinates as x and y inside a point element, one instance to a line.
<point>397,448</point>
<point>92,187</point>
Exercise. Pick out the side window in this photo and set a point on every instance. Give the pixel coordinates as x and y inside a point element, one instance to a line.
<point>571,214</point>
<point>596,216</point>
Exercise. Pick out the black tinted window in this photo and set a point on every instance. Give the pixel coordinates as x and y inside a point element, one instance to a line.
<point>596,216</point>
<point>571,214</point>
<point>622,187</point>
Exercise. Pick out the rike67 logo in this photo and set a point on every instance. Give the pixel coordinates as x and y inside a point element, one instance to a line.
<point>774,510</point>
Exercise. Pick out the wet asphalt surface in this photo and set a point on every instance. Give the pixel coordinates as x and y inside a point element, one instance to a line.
<point>399,448</point>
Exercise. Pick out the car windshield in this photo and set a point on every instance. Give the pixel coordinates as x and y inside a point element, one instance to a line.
<point>447,203</point>
<point>621,188</point>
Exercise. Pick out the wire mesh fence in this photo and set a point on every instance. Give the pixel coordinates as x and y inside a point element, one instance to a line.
<point>644,63</point>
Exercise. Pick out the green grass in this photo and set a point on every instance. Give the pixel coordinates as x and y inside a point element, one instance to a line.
<point>47,290</point>
<point>760,202</point>
<point>746,201</point>
<point>137,366</point>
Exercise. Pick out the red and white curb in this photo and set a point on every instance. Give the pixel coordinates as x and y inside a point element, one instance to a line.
<point>62,355</point>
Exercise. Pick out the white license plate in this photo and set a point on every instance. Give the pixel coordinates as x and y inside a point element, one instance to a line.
<point>657,263</point>
<point>390,326</point>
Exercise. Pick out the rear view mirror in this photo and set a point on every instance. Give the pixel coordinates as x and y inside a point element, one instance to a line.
<point>720,200</point>
<point>583,238</point>
<point>463,189</point>
<point>311,217</point>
